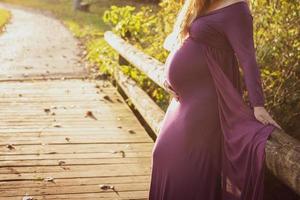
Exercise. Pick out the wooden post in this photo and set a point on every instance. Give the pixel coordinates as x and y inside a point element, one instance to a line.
<point>79,5</point>
<point>76,4</point>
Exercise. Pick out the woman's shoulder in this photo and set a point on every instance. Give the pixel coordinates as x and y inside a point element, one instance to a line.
<point>235,9</point>
<point>238,13</point>
<point>240,8</point>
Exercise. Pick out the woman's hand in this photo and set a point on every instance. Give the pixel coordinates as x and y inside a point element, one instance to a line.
<point>170,90</point>
<point>262,115</point>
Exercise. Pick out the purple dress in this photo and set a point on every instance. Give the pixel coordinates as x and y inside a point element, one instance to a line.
<point>210,145</point>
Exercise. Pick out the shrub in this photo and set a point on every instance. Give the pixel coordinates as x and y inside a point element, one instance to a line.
<point>4,18</point>
<point>277,43</point>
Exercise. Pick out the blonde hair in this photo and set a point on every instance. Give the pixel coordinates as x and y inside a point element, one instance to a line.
<point>189,11</point>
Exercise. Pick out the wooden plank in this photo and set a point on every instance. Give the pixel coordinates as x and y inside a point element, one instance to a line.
<point>69,148</point>
<point>74,182</point>
<point>65,131</point>
<point>74,156</point>
<point>109,168</point>
<point>75,140</point>
<point>103,172</point>
<point>69,190</point>
<point>126,195</point>
<point>74,161</point>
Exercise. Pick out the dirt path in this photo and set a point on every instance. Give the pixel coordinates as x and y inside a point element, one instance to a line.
<point>36,45</point>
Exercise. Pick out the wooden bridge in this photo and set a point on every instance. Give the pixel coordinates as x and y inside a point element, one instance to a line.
<point>64,136</point>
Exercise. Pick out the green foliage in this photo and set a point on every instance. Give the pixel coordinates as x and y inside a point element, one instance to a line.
<point>98,52</point>
<point>146,29</point>
<point>276,25</point>
<point>278,52</point>
<point>4,18</point>
<point>140,27</point>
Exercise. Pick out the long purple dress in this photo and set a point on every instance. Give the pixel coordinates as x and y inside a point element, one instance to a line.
<point>210,145</point>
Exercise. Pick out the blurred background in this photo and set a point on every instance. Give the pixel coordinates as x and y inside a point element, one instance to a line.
<point>146,23</point>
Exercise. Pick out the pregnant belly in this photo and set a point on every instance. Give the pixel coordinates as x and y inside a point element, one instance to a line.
<point>188,73</point>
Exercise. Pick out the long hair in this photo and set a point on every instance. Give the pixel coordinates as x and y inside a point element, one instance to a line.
<point>188,12</point>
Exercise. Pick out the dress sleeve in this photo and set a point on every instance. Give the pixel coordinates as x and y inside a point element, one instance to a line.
<point>239,32</point>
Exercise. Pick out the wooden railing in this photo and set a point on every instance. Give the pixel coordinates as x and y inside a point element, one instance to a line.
<point>282,150</point>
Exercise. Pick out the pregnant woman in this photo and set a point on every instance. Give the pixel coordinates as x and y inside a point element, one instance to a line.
<point>211,144</point>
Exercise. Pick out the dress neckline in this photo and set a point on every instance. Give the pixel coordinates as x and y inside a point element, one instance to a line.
<point>220,9</point>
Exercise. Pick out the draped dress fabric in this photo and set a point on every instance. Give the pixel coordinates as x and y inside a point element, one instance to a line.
<point>210,145</point>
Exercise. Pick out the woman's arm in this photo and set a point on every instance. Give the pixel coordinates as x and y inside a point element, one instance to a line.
<point>239,32</point>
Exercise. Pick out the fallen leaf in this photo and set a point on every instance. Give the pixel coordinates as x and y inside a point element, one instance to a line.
<point>131,131</point>
<point>106,97</point>
<point>60,163</point>
<point>90,114</point>
<point>106,187</point>
<point>121,151</point>
<point>10,147</point>
<point>49,179</point>
<point>26,197</point>
<point>66,168</point>
<point>47,110</point>
<point>56,125</point>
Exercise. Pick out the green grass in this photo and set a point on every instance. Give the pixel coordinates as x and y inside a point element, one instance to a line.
<point>4,18</point>
<point>85,23</point>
